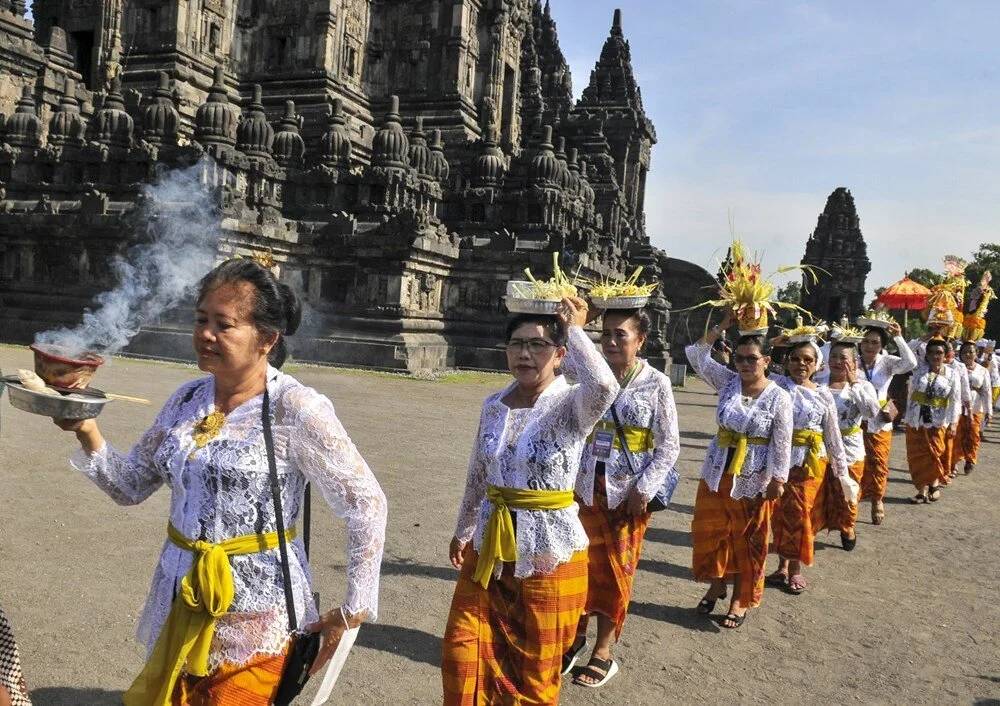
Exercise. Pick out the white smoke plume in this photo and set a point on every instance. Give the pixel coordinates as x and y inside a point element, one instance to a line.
<point>179,225</point>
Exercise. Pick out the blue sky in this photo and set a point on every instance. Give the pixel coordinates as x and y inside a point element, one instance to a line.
<point>763,108</point>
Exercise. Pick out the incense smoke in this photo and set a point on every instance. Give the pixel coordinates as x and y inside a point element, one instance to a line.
<point>178,229</point>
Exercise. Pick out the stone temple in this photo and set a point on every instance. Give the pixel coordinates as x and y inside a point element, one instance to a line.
<point>402,159</point>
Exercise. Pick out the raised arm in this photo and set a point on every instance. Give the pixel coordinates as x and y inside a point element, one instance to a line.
<point>597,386</point>
<point>834,441</point>
<point>865,397</point>
<point>667,439</point>
<point>906,361</point>
<point>321,450</point>
<point>128,479</point>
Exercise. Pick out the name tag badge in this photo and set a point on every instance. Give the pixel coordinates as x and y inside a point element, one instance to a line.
<point>604,441</point>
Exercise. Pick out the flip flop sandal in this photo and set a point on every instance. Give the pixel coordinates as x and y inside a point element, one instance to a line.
<point>571,657</point>
<point>918,499</point>
<point>707,605</point>
<point>733,618</point>
<point>848,543</point>
<point>608,666</point>
<point>779,579</point>
<point>797,584</point>
<point>934,495</point>
<point>969,467</point>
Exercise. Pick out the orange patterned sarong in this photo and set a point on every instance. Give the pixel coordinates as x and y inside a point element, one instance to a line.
<point>950,455</point>
<point>730,539</point>
<point>793,517</point>
<point>613,556</point>
<point>504,644</point>
<point>251,684</point>
<point>876,475</point>
<point>925,454</point>
<point>968,439</point>
<point>831,510</point>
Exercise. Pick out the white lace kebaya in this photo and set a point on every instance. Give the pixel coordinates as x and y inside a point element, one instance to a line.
<point>646,402</point>
<point>946,386</point>
<point>538,448</point>
<point>814,409</point>
<point>769,416</point>
<point>856,402</point>
<point>980,389</point>
<point>881,372</point>
<point>222,491</point>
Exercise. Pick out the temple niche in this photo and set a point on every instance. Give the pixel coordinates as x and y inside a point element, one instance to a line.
<point>837,248</point>
<point>402,160</point>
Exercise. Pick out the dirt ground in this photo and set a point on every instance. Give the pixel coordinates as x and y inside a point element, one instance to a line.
<point>910,617</point>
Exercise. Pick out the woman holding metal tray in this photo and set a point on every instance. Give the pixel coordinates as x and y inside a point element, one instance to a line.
<point>230,602</point>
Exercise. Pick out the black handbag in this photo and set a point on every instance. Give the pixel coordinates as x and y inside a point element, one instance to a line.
<point>304,646</point>
<point>654,505</point>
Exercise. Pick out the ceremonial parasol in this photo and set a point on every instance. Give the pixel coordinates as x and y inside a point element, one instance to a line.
<point>906,295</point>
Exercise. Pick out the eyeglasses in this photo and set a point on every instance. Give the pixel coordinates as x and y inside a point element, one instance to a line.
<point>534,345</point>
<point>747,359</point>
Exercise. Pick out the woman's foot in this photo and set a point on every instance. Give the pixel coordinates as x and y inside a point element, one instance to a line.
<point>599,670</point>
<point>779,579</point>
<point>934,494</point>
<point>878,512</point>
<point>969,465</point>
<point>733,620</point>
<point>918,499</point>
<point>797,584</point>
<point>848,540</point>
<point>707,604</point>
<point>572,655</point>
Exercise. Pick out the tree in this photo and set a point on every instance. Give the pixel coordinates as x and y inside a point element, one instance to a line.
<point>926,277</point>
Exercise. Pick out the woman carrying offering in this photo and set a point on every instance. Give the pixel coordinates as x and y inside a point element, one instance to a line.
<point>816,442</point>
<point>614,486</point>
<point>970,423</point>
<point>216,622</point>
<point>518,542</point>
<point>933,405</point>
<point>856,400</point>
<point>745,469</point>
<point>879,368</point>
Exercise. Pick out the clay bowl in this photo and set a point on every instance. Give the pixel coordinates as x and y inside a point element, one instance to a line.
<point>60,370</point>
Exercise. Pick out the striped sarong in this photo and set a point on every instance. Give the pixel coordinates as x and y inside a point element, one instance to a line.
<point>730,538</point>
<point>613,556</point>
<point>793,516</point>
<point>967,438</point>
<point>876,475</point>
<point>831,510</point>
<point>504,644</point>
<point>926,450</point>
<point>251,684</point>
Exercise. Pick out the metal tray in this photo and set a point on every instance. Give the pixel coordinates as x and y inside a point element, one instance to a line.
<point>531,306</point>
<point>69,404</point>
<point>865,322</point>
<point>620,302</point>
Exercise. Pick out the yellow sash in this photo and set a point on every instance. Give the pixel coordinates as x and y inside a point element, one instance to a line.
<point>205,594</point>
<point>850,431</point>
<point>729,439</point>
<point>813,441</point>
<point>922,398</point>
<point>499,539</point>
<point>640,439</point>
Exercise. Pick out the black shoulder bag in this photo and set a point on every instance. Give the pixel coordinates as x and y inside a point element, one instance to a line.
<point>304,645</point>
<point>654,505</point>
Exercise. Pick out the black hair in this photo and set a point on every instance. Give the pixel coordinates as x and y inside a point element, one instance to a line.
<point>275,309</point>
<point>642,320</point>
<point>844,344</point>
<point>552,324</point>
<point>803,344</point>
<point>758,342</point>
<point>967,343</point>
<point>936,343</point>
<point>883,335</point>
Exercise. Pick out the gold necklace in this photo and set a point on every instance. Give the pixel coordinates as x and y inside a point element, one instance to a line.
<point>208,428</point>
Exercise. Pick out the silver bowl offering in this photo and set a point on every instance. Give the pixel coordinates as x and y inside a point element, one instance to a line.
<point>67,404</point>
<point>619,302</point>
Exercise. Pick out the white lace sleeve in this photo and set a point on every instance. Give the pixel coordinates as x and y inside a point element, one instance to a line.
<point>130,479</point>
<point>597,387</point>
<point>906,361</point>
<point>667,439</point>
<point>699,355</point>
<point>963,373</point>
<point>865,397</point>
<point>954,402</point>
<point>779,449</point>
<point>835,451</point>
<point>475,487</point>
<point>321,450</point>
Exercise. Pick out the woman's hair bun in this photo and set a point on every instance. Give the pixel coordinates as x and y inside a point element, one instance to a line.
<point>292,308</point>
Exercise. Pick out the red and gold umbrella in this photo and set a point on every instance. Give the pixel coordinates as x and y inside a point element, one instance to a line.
<point>906,295</point>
